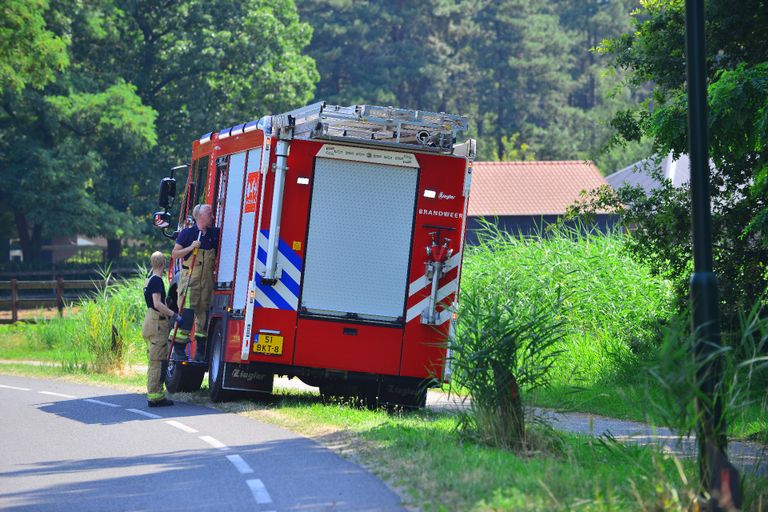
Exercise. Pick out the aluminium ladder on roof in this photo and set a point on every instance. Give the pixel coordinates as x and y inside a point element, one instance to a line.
<point>430,131</point>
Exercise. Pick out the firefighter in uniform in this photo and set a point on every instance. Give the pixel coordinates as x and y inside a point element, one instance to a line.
<point>157,322</point>
<point>205,238</point>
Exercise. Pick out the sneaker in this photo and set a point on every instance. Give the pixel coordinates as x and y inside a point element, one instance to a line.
<point>163,402</point>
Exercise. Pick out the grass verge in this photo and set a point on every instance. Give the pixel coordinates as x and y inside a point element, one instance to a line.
<point>421,455</point>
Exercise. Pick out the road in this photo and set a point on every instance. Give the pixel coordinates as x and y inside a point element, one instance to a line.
<point>66,446</point>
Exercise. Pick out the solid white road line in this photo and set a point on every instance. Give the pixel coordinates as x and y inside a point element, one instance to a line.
<point>14,387</point>
<point>51,393</point>
<point>94,401</point>
<point>240,464</point>
<point>144,413</point>
<point>214,442</point>
<point>260,493</point>
<point>181,426</point>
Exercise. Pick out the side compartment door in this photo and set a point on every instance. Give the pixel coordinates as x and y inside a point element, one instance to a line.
<point>249,210</point>
<point>230,220</point>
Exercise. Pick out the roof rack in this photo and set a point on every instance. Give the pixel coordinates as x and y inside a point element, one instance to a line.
<point>429,131</point>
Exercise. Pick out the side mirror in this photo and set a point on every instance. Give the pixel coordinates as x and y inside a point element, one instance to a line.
<point>167,193</point>
<point>161,220</point>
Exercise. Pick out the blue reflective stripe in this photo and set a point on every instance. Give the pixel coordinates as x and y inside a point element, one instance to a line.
<point>290,255</point>
<point>275,297</point>
<point>262,255</point>
<point>289,283</point>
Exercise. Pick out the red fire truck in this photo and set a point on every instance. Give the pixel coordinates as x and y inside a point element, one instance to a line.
<point>341,233</point>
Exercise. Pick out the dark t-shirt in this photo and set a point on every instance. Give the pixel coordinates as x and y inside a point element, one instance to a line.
<point>209,240</point>
<point>154,285</point>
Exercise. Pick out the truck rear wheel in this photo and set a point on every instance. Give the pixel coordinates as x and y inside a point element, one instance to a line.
<point>216,369</point>
<point>412,396</point>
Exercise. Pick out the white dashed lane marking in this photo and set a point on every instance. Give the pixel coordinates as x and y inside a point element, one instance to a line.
<point>240,464</point>
<point>51,393</point>
<point>214,442</point>
<point>181,426</point>
<point>258,489</point>
<point>94,401</point>
<point>14,387</point>
<point>260,493</point>
<point>144,413</point>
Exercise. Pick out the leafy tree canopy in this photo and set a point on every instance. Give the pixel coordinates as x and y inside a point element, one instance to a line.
<point>737,74</point>
<point>144,79</point>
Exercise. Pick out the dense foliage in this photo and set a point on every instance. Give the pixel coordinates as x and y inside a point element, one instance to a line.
<point>566,308</point>
<point>107,95</point>
<point>737,73</point>
<point>521,69</point>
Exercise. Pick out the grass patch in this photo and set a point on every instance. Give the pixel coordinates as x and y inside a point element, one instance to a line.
<point>100,335</point>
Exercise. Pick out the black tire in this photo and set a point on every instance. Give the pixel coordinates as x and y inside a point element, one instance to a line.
<point>174,377</point>
<point>410,397</point>
<point>216,368</point>
<point>192,378</point>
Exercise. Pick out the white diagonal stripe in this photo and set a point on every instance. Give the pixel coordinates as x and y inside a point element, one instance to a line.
<point>179,425</point>
<point>286,294</point>
<point>51,393</point>
<point>14,387</point>
<point>265,301</point>
<point>284,263</point>
<point>144,413</point>
<point>214,442</point>
<point>259,491</point>
<point>442,293</point>
<point>240,464</point>
<point>418,284</point>
<point>94,401</point>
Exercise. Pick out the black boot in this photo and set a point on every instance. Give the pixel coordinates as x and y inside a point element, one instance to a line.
<point>163,402</point>
<point>200,351</point>
<point>179,351</point>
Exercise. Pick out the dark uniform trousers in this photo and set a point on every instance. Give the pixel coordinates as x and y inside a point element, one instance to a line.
<point>155,332</point>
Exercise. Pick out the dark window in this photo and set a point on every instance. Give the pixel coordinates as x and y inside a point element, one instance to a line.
<point>197,186</point>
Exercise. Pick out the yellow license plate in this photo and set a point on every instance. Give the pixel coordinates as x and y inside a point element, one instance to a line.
<point>268,344</point>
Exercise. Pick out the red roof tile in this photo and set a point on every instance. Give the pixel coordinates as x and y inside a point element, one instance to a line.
<point>529,188</point>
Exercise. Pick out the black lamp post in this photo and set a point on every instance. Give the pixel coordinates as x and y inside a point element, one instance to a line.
<point>711,428</point>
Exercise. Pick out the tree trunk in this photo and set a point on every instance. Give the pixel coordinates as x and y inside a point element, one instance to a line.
<point>114,248</point>
<point>31,243</point>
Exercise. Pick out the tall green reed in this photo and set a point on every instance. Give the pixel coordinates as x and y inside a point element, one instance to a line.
<point>104,331</point>
<point>612,304</point>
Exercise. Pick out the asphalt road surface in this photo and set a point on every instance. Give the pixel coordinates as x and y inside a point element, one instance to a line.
<point>67,446</point>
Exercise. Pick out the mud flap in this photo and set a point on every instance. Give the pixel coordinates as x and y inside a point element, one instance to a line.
<point>242,377</point>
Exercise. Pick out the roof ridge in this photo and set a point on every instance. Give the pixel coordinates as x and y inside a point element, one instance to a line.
<point>536,162</point>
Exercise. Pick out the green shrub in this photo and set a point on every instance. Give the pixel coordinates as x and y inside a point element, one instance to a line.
<point>103,333</point>
<point>612,304</point>
<point>502,349</point>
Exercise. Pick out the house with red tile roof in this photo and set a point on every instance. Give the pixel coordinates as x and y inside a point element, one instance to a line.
<point>525,196</point>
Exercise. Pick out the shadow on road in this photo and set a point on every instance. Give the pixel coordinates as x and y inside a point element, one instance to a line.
<point>299,473</point>
<point>97,412</point>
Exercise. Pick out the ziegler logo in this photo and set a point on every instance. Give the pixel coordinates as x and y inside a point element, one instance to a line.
<point>445,196</point>
<point>237,373</point>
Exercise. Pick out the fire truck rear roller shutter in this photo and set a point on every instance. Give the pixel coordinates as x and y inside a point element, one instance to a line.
<point>359,239</point>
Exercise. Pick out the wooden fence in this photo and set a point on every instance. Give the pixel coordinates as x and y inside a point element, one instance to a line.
<point>58,286</point>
